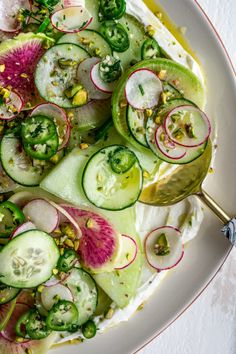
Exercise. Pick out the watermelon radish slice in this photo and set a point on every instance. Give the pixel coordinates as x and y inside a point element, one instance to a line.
<point>43,215</point>
<point>5,313</point>
<point>99,244</point>
<point>51,294</point>
<point>164,248</point>
<point>9,11</point>
<point>98,82</point>
<point>143,89</point>
<point>167,146</point>
<point>20,57</point>
<point>71,19</point>
<point>187,126</point>
<point>9,332</point>
<point>22,228</point>
<point>128,253</point>
<point>83,75</point>
<point>11,106</point>
<point>60,118</point>
<point>26,297</point>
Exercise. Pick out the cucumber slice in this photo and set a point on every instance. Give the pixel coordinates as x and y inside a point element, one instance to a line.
<point>19,166</point>
<point>110,190</point>
<point>137,36</point>
<point>92,41</point>
<point>175,74</point>
<point>84,292</point>
<point>52,79</point>
<point>151,127</point>
<point>26,264</point>
<point>136,121</point>
<point>7,293</point>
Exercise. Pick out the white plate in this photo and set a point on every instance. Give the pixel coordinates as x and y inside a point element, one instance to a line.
<point>205,255</point>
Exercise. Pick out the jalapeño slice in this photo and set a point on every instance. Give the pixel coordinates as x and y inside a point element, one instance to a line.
<point>43,151</point>
<point>122,159</point>
<point>36,326</point>
<point>89,329</point>
<point>150,49</point>
<point>116,35</point>
<point>63,316</point>
<point>38,129</point>
<point>112,9</point>
<point>67,260</point>
<point>10,217</point>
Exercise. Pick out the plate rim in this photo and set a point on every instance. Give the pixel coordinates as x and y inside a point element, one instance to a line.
<point>226,54</point>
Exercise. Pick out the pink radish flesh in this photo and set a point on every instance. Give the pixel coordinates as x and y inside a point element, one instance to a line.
<point>143,89</point>
<point>11,107</point>
<point>152,247</point>
<point>50,295</point>
<point>71,19</point>
<point>9,332</point>
<point>167,146</point>
<point>26,297</point>
<point>22,228</point>
<point>99,83</point>
<point>83,75</point>
<point>99,241</point>
<point>52,281</point>
<point>129,251</point>
<point>187,126</point>
<point>59,116</point>
<point>42,214</point>
<point>9,11</point>
<point>20,59</point>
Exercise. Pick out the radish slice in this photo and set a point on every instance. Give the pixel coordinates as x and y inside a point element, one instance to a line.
<point>9,332</point>
<point>52,281</point>
<point>51,294</point>
<point>143,89</point>
<point>59,116</point>
<point>42,214</point>
<point>164,240</point>
<point>99,245</point>
<point>71,19</point>
<point>187,126</point>
<point>11,107</point>
<point>167,146</point>
<point>22,228</point>
<point>129,251</point>
<point>83,75</point>
<point>66,216</point>
<point>98,82</point>
<point>9,11</point>
<point>6,183</point>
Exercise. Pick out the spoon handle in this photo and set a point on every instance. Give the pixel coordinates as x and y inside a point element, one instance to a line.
<point>229,229</point>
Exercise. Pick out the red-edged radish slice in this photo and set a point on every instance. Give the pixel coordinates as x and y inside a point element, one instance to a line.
<point>52,281</point>
<point>187,126</point>
<point>51,294</point>
<point>98,82</point>
<point>143,89</point>
<point>167,146</point>
<point>23,227</point>
<point>71,19</point>
<point>42,214</point>
<point>9,332</point>
<point>128,254</point>
<point>83,75</point>
<point>9,11</point>
<point>65,216</point>
<point>160,241</point>
<point>59,116</point>
<point>11,106</point>
<point>99,245</point>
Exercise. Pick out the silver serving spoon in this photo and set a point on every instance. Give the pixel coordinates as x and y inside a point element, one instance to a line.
<point>185,181</point>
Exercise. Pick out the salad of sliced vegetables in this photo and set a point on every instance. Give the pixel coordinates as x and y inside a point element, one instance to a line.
<point>94,107</point>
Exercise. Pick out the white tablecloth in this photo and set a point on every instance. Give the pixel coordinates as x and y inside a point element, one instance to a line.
<point>209,326</point>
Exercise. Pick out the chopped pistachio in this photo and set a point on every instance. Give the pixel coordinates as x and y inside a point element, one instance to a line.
<point>90,223</point>
<point>83,146</point>
<point>72,90</point>
<point>40,288</point>
<point>54,159</point>
<point>146,174</point>
<point>150,30</point>
<point>68,230</point>
<point>76,245</point>
<point>69,243</point>
<point>97,51</point>
<point>159,15</point>
<point>65,63</point>
<point>109,314</point>
<point>123,103</point>
<point>149,112</point>
<point>24,75</point>
<point>162,247</point>
<point>162,74</point>
<point>55,271</point>
<point>2,68</point>
<point>80,98</point>
<point>55,83</point>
